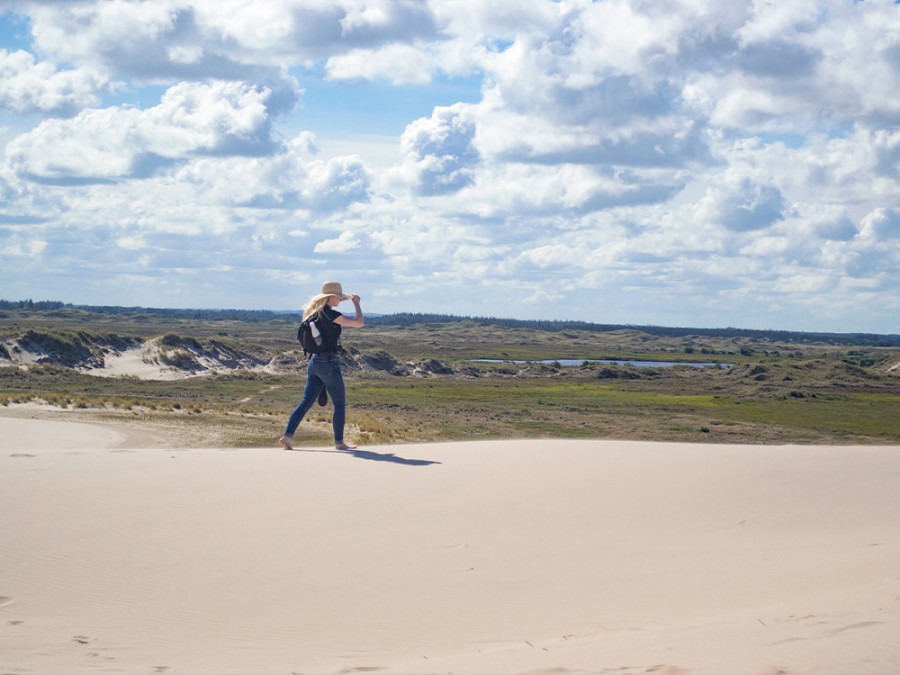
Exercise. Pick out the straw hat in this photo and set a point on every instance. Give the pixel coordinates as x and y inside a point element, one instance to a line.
<point>332,288</point>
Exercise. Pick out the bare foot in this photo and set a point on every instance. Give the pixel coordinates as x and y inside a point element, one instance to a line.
<point>344,446</point>
<point>285,443</point>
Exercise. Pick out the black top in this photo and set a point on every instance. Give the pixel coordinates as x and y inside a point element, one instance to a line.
<point>331,331</point>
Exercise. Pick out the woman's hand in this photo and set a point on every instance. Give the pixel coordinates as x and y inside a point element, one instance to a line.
<point>357,321</point>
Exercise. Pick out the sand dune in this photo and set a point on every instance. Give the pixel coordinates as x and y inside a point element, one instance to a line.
<point>535,556</point>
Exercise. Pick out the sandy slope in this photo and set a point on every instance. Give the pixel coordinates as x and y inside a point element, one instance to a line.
<point>531,556</point>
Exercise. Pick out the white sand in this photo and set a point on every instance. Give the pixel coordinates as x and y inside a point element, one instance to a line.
<point>131,362</point>
<point>21,435</point>
<point>539,556</point>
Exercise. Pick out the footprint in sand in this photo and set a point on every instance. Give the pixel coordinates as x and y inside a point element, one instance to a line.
<point>4,601</point>
<point>22,454</point>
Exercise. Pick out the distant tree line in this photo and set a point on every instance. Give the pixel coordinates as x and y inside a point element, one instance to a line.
<point>249,315</point>
<point>31,304</point>
<point>870,339</point>
<point>410,319</point>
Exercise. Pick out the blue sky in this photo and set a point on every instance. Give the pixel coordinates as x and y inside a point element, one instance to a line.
<point>682,163</point>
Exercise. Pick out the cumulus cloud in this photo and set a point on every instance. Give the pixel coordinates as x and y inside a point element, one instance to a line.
<point>287,180</point>
<point>439,152</point>
<point>337,182</point>
<point>27,86</point>
<point>224,39</point>
<point>347,241</point>
<point>147,40</point>
<point>112,143</point>
<point>882,224</point>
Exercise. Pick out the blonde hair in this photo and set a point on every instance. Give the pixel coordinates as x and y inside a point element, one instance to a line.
<point>315,306</point>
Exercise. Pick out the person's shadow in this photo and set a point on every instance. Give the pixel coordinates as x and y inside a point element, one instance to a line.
<point>386,457</point>
<point>375,456</point>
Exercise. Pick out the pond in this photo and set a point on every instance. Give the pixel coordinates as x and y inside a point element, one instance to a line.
<point>581,362</point>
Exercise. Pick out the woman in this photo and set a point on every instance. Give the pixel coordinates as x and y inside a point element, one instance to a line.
<point>324,369</point>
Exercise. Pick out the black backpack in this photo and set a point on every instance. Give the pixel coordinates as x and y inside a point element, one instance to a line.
<point>314,335</point>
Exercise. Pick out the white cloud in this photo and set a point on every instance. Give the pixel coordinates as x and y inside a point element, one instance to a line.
<point>399,63</point>
<point>183,38</point>
<point>439,153</point>
<point>117,36</point>
<point>881,225</point>
<point>336,183</point>
<point>745,206</point>
<point>111,143</point>
<point>347,241</point>
<point>26,86</point>
<point>543,297</point>
<point>19,248</point>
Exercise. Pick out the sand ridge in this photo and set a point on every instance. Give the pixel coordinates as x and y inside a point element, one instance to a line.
<point>526,556</point>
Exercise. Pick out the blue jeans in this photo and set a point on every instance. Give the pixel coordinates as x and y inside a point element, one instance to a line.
<point>324,370</point>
